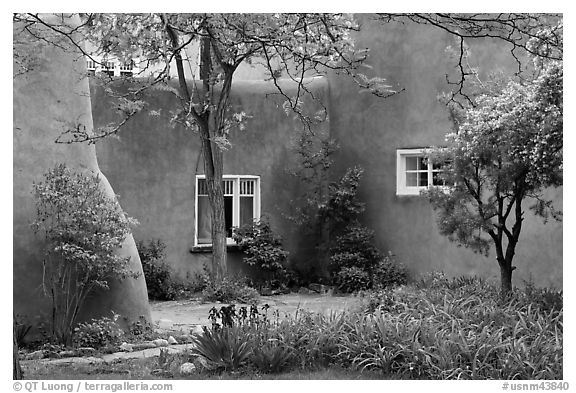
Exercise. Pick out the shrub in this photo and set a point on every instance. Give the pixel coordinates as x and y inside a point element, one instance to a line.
<point>356,264</point>
<point>83,227</point>
<point>351,279</point>
<point>141,330</point>
<point>229,290</point>
<point>389,273</point>
<point>98,333</point>
<point>262,248</point>
<point>545,299</point>
<point>157,273</point>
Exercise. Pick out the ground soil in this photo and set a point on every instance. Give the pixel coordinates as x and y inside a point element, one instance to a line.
<point>186,314</point>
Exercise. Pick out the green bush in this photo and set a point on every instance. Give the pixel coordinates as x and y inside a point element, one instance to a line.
<point>389,273</point>
<point>157,273</point>
<point>229,290</point>
<point>263,249</point>
<point>356,264</point>
<point>82,227</point>
<point>160,280</point>
<point>98,333</point>
<point>140,330</point>
<point>352,279</point>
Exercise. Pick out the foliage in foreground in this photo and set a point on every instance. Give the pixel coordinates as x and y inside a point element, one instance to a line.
<point>83,227</point>
<point>105,333</point>
<point>442,329</point>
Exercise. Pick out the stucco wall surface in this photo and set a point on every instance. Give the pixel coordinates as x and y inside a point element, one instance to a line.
<point>153,167</point>
<point>47,99</point>
<point>370,129</point>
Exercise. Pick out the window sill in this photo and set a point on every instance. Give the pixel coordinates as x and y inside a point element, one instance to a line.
<point>208,248</point>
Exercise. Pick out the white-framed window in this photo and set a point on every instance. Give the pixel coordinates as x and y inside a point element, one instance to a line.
<point>127,69</point>
<point>241,206</point>
<point>414,173</point>
<point>91,67</point>
<point>108,67</point>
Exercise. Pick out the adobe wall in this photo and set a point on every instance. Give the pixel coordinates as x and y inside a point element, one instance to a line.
<point>370,129</point>
<point>53,93</point>
<point>159,188</point>
<point>153,167</point>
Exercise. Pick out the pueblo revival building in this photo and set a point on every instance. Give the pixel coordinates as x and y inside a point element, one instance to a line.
<point>158,171</point>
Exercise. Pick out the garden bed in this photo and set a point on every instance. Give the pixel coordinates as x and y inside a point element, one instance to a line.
<point>436,329</point>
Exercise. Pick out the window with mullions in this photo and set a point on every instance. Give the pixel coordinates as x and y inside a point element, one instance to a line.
<point>414,173</point>
<point>108,68</point>
<point>91,67</point>
<point>241,205</point>
<point>127,69</point>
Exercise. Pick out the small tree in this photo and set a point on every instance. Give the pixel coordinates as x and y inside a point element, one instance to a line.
<point>507,149</point>
<point>82,228</point>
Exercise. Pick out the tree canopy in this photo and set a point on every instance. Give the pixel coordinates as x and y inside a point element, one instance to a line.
<point>507,148</point>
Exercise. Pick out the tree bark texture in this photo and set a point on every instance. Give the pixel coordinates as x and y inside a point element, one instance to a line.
<point>16,369</point>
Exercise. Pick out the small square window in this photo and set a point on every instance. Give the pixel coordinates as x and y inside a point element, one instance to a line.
<point>413,174</point>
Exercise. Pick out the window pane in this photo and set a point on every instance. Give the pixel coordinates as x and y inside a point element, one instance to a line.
<point>246,210</point>
<point>411,179</point>
<point>202,187</point>
<point>411,163</point>
<point>247,187</point>
<point>228,187</point>
<point>204,221</point>
<point>422,163</point>
<point>422,179</point>
<point>228,215</point>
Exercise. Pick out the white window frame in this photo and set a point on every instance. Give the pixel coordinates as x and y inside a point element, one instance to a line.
<point>235,204</point>
<point>401,187</point>
<point>109,65</point>
<point>91,66</point>
<point>126,68</point>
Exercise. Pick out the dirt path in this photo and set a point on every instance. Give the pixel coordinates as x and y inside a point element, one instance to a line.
<point>190,314</point>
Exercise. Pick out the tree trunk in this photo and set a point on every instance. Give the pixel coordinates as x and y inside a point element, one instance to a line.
<point>218,231</point>
<point>213,164</point>
<point>213,167</point>
<point>506,277</point>
<point>16,369</point>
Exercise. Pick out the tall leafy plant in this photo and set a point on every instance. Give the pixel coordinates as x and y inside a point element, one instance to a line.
<point>507,149</point>
<point>83,228</point>
<point>262,248</point>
